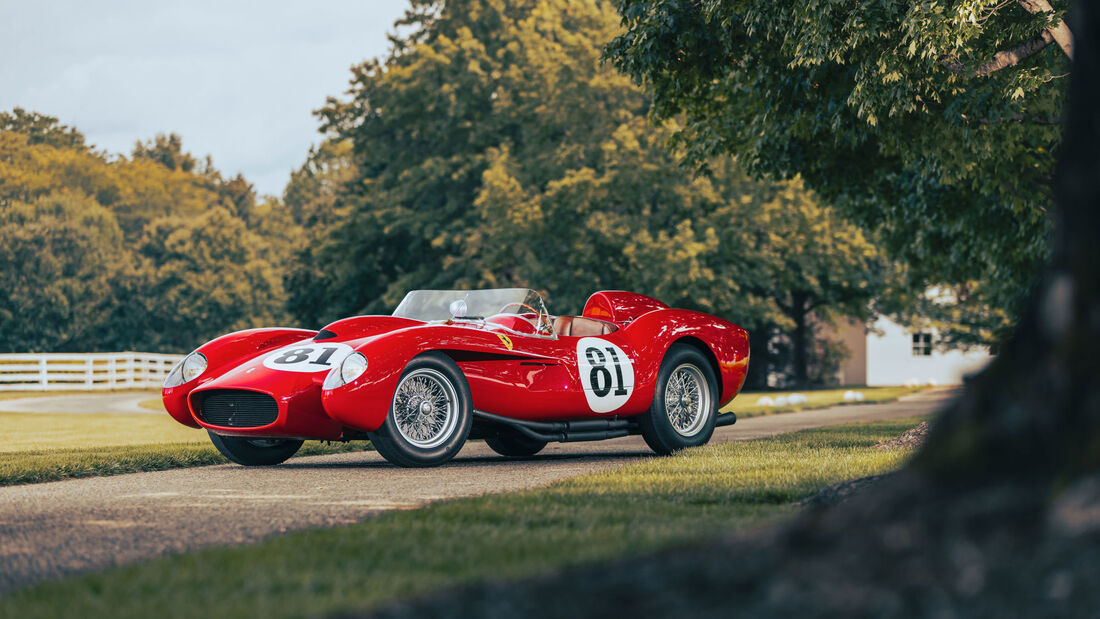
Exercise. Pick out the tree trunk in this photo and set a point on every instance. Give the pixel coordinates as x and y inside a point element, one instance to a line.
<point>1036,410</point>
<point>760,358</point>
<point>800,337</point>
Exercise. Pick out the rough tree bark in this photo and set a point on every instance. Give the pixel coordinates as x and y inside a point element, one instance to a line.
<point>1060,32</point>
<point>998,515</point>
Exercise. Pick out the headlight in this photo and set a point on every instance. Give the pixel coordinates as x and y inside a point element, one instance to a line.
<point>351,367</point>
<point>193,365</point>
<point>187,370</point>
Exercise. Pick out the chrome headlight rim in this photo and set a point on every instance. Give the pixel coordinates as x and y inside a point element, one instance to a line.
<point>351,367</point>
<point>188,369</point>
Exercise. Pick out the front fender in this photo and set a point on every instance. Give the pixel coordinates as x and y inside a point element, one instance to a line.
<point>364,403</point>
<point>222,354</point>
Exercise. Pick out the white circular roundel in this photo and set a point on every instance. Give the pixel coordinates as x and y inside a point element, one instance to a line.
<point>307,356</point>
<point>607,374</point>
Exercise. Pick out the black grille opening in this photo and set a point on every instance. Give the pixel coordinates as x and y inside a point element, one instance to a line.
<point>236,408</point>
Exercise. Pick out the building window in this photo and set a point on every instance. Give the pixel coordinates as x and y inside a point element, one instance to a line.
<point>922,344</point>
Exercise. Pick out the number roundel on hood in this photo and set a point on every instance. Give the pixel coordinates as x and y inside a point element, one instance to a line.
<point>307,356</point>
<point>606,373</point>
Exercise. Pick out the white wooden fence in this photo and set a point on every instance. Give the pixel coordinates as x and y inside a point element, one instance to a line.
<point>61,371</point>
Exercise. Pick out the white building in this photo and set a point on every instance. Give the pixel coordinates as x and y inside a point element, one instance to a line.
<point>890,354</point>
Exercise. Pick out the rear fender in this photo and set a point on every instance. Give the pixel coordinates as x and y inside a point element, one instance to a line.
<point>724,343</point>
<point>620,307</point>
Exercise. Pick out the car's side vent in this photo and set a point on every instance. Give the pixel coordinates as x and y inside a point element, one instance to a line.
<point>324,334</point>
<point>237,408</point>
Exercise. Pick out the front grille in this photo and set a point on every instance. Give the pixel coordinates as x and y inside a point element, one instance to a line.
<point>236,408</point>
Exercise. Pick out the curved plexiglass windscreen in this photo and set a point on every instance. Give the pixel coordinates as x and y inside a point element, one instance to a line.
<point>436,304</point>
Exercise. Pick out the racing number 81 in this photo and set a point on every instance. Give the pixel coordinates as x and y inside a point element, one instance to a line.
<point>598,361</point>
<point>301,354</point>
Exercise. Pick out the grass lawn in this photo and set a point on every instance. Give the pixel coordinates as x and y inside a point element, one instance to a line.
<point>153,404</point>
<point>634,509</point>
<point>38,447</point>
<point>16,395</point>
<point>44,431</point>
<point>745,403</point>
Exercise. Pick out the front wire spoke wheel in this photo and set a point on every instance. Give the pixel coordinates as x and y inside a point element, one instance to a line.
<point>425,408</point>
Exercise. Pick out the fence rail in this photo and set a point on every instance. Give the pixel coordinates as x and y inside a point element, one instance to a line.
<point>87,371</point>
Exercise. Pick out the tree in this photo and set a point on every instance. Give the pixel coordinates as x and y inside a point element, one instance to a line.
<point>41,129</point>
<point>314,187</point>
<point>56,257</point>
<point>167,150</point>
<point>202,277</point>
<point>151,253</point>
<point>916,118</point>
<point>495,149</point>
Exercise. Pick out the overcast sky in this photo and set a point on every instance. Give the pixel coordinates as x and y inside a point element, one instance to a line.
<point>237,80</point>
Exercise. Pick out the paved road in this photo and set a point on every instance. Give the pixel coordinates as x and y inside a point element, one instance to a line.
<point>125,403</point>
<point>47,530</point>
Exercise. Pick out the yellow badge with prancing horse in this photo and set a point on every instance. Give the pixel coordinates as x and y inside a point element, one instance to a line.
<point>504,339</point>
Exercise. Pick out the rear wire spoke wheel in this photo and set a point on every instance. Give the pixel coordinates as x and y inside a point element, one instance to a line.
<point>687,400</point>
<point>683,410</point>
<point>430,414</point>
<point>255,451</point>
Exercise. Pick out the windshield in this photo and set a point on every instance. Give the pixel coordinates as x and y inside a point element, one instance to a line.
<point>436,304</point>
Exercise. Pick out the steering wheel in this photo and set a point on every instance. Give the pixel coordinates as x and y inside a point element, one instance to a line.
<point>543,325</point>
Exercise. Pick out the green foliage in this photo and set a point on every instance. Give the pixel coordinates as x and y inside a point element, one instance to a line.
<point>311,194</point>
<point>166,150</point>
<point>201,271</point>
<point>153,253</point>
<point>41,129</point>
<point>56,255</point>
<point>493,148</point>
<point>745,404</point>
<point>883,109</point>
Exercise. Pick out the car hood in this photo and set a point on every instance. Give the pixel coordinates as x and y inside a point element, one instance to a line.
<point>358,327</point>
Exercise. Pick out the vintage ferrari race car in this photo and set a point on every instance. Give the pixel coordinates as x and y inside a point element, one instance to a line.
<point>449,365</point>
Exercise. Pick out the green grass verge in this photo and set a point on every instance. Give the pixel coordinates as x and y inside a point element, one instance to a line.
<point>633,509</point>
<point>153,404</point>
<point>745,404</point>
<point>41,431</point>
<point>41,465</point>
<point>18,395</point>
<point>38,447</point>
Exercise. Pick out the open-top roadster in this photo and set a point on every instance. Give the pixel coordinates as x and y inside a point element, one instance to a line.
<point>455,364</point>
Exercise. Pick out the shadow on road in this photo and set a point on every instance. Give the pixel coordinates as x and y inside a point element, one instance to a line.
<point>474,460</point>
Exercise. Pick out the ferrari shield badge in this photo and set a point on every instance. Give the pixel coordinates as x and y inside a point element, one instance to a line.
<point>504,339</point>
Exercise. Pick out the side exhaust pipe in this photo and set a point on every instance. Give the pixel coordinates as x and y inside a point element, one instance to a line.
<point>562,431</point>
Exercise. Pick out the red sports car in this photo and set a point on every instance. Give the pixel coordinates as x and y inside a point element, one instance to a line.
<point>449,365</point>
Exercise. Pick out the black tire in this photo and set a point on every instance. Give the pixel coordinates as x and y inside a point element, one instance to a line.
<point>514,445</point>
<point>255,451</point>
<point>423,375</point>
<point>692,428</point>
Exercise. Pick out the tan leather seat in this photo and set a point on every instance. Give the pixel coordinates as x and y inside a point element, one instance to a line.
<point>579,326</point>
